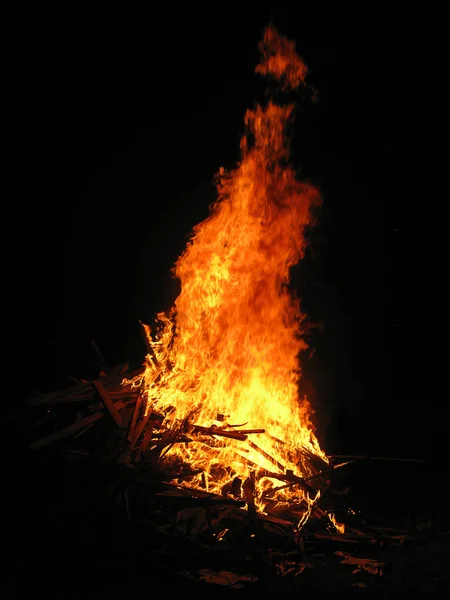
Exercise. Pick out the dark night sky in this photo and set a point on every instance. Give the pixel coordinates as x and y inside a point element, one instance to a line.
<point>125,129</point>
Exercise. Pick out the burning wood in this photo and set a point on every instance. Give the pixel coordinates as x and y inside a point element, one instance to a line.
<point>216,431</point>
<point>108,403</point>
<point>152,439</point>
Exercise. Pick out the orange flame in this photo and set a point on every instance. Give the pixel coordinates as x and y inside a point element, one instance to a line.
<point>281,60</point>
<point>340,527</point>
<point>226,356</point>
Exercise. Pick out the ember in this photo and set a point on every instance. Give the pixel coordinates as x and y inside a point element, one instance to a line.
<point>223,364</point>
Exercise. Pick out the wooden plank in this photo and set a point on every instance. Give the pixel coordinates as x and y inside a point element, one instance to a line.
<point>124,457</point>
<point>146,441</point>
<point>386,458</point>
<point>235,435</point>
<point>109,404</point>
<point>53,400</point>
<point>140,429</point>
<point>82,392</point>
<point>136,410</point>
<point>147,438</point>
<point>71,429</point>
<point>67,431</point>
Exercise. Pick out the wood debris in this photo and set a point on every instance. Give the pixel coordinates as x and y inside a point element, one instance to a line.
<point>104,422</point>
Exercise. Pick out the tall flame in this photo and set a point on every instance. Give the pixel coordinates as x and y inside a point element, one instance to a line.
<point>226,355</point>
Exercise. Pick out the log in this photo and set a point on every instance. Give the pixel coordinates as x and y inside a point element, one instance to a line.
<point>109,404</point>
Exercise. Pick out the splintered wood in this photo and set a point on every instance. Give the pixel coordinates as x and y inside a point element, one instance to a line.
<point>66,413</point>
<point>106,420</point>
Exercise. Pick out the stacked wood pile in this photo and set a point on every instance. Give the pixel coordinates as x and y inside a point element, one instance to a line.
<point>100,427</point>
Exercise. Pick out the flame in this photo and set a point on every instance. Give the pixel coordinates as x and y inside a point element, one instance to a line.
<point>340,527</point>
<point>223,366</point>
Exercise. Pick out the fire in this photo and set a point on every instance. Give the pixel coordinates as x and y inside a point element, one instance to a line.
<point>339,526</point>
<point>223,368</point>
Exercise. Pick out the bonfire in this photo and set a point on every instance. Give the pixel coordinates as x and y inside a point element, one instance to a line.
<point>215,407</point>
<point>209,439</point>
<point>224,361</point>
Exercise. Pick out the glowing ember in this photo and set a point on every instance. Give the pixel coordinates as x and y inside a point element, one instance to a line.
<point>224,365</point>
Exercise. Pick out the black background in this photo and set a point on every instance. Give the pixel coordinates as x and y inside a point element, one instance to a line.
<point>121,128</point>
